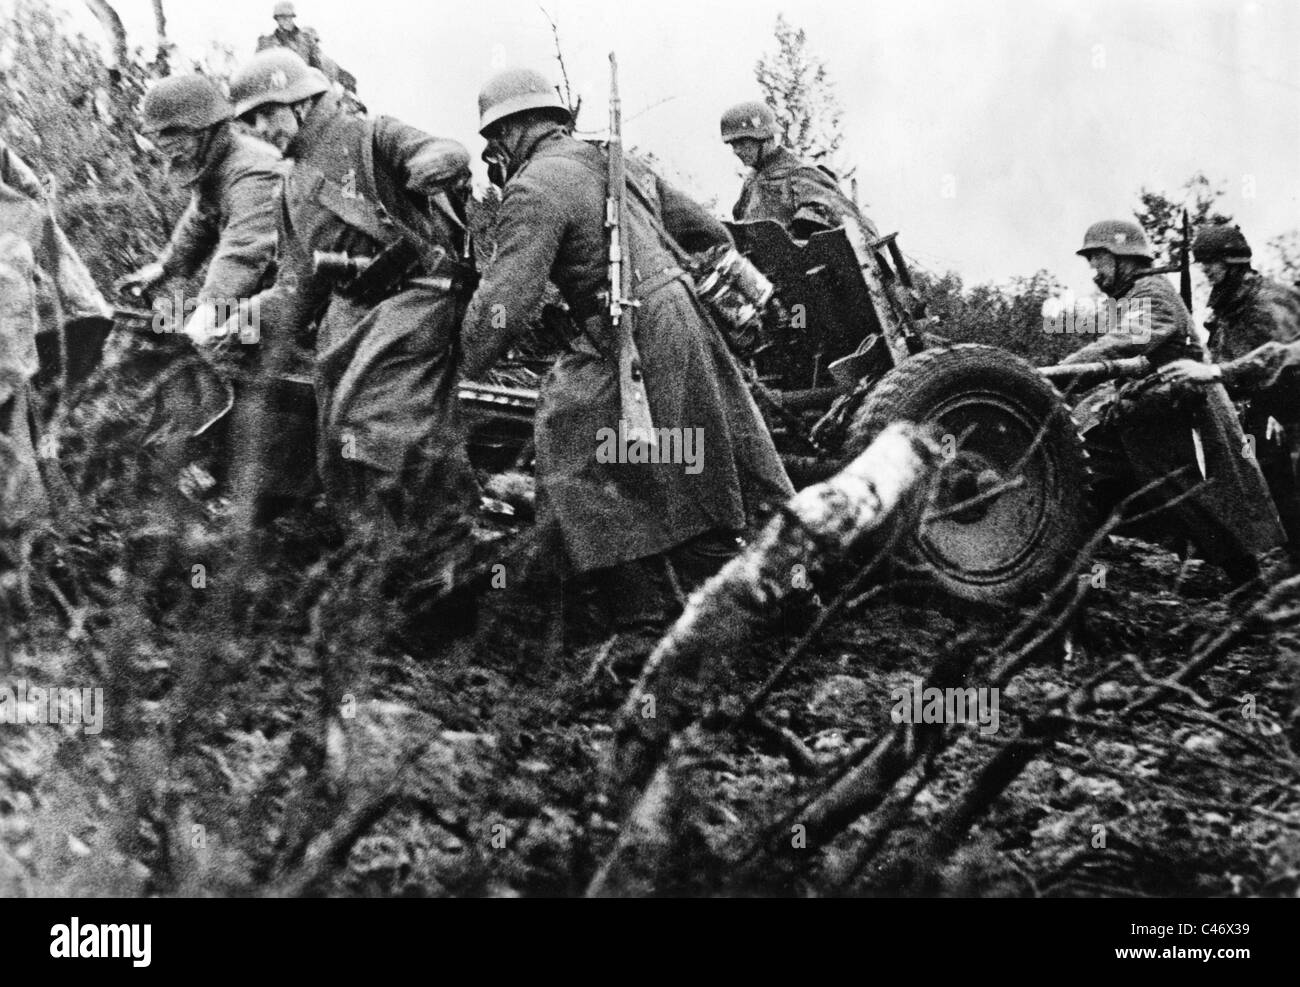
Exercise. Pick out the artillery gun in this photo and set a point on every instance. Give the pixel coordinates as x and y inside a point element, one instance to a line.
<point>854,352</point>
<point>1010,510</point>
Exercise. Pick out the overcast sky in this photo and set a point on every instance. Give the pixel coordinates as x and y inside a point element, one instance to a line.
<point>990,132</point>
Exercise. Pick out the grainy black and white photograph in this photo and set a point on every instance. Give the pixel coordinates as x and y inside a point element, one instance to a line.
<point>781,448</point>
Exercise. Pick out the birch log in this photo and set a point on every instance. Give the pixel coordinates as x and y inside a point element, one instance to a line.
<point>882,487</point>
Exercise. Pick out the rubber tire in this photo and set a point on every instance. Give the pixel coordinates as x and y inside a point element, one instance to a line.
<point>943,386</point>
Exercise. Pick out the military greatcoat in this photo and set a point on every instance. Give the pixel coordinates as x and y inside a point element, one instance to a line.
<point>384,365</point>
<point>551,225</point>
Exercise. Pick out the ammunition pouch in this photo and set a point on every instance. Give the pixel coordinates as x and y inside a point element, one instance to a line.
<point>368,281</point>
<point>557,329</point>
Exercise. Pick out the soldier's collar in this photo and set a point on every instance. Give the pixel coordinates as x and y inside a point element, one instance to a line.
<point>219,144</point>
<point>780,158</point>
<point>326,109</point>
<point>540,143</point>
<point>1232,290</point>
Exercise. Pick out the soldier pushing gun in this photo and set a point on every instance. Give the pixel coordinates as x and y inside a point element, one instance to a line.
<point>622,524</point>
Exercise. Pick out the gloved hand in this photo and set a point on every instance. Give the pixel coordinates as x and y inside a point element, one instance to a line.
<point>1182,372</point>
<point>436,166</point>
<point>202,327</point>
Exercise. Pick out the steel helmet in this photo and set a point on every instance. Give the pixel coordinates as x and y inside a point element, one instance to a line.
<point>1118,236</point>
<point>1221,242</point>
<point>283,10</point>
<point>187,102</point>
<point>276,75</point>
<point>514,91</point>
<point>752,119</point>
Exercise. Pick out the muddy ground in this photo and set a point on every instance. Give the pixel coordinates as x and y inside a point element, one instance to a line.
<point>479,766</point>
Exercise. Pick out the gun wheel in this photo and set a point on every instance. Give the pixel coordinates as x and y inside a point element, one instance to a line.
<point>1009,511</point>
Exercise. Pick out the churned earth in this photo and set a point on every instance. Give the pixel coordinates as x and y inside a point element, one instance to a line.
<point>480,766</point>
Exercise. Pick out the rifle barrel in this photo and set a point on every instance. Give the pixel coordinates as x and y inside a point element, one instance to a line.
<point>615,207</point>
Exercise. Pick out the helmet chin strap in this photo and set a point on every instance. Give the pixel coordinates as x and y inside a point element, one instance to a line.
<point>301,110</point>
<point>505,149</point>
<point>187,166</point>
<point>206,143</point>
<point>497,158</point>
<point>506,152</point>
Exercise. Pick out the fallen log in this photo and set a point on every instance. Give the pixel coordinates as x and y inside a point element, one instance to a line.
<point>882,488</point>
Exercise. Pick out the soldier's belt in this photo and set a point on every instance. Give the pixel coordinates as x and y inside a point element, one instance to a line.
<point>584,312</point>
<point>648,286</point>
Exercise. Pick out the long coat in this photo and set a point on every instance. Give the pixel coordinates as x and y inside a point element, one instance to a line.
<point>551,226</point>
<point>230,220</point>
<point>1255,339</point>
<point>384,370</point>
<point>1233,519</point>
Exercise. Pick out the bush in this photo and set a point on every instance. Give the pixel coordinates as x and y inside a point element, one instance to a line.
<point>1009,316</point>
<point>71,117</point>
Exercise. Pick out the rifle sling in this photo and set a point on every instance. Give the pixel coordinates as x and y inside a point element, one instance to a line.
<point>643,287</point>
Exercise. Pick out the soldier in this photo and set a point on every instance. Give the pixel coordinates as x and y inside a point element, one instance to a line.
<point>1255,345</point>
<point>231,216</point>
<point>387,202</point>
<point>801,196</point>
<point>616,517</point>
<point>229,224</point>
<point>1150,431</point>
<point>305,43</point>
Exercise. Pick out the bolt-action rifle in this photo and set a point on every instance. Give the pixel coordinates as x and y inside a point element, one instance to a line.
<point>634,403</point>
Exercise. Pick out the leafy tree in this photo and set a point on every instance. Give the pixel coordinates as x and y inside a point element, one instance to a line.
<point>1162,216</point>
<point>1008,315</point>
<point>1284,262</point>
<point>796,85</point>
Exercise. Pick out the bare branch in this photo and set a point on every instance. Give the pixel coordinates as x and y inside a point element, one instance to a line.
<point>112,23</point>
<point>559,57</point>
<point>646,109</point>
